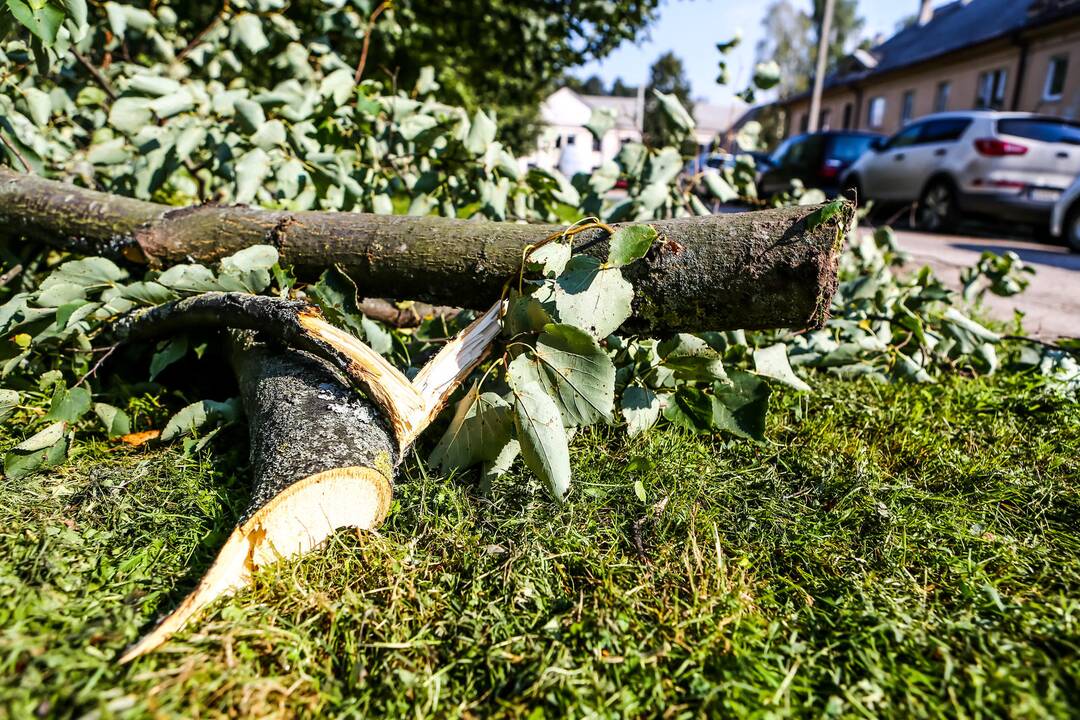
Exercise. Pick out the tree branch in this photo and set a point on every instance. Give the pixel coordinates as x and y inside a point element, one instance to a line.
<point>749,271</point>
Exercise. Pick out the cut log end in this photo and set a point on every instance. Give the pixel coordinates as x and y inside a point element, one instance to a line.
<point>297,520</point>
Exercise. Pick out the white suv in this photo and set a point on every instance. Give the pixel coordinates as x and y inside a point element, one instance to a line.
<point>1012,166</point>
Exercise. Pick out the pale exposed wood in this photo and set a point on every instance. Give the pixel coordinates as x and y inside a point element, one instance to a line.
<point>294,522</point>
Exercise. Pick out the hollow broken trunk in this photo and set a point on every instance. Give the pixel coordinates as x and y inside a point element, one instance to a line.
<point>322,458</point>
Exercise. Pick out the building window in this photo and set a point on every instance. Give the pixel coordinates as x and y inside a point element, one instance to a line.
<point>571,139</point>
<point>804,122</point>
<point>941,97</point>
<point>876,114</point>
<point>825,120</point>
<point>558,141</point>
<point>849,110</point>
<point>991,90</point>
<point>1055,77</point>
<point>596,144</point>
<point>907,107</point>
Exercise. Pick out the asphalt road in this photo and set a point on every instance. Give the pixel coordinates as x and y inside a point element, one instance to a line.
<point>1052,301</point>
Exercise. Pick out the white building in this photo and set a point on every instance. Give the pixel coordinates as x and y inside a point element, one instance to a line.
<point>566,144</point>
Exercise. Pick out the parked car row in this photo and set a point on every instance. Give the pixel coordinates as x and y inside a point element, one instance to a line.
<point>1008,166</point>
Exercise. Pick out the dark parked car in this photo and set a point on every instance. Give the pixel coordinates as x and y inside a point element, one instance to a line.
<point>817,159</point>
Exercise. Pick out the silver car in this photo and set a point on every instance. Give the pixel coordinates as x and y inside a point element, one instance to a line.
<point>1065,220</point>
<point>1011,166</point>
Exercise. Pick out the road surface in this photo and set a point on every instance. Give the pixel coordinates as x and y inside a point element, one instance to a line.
<point>1052,301</point>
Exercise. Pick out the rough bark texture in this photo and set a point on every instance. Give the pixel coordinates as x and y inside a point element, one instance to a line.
<point>755,270</point>
<point>304,419</point>
<point>322,459</point>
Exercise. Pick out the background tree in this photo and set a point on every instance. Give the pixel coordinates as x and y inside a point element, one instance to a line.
<point>791,37</point>
<point>594,85</point>
<point>503,55</point>
<point>667,75</point>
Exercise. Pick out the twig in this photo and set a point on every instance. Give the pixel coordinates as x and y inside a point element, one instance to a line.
<point>96,74</point>
<point>197,40</point>
<point>109,351</point>
<point>367,40</point>
<point>1044,343</point>
<point>15,151</point>
<point>10,275</point>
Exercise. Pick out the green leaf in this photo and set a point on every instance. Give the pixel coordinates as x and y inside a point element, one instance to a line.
<point>148,293</point>
<point>691,358</point>
<point>630,243</point>
<point>600,122</point>
<point>248,29</point>
<point>9,402</point>
<point>41,450</point>
<point>718,186</point>
<point>40,18</point>
<point>549,260</point>
<point>168,352</point>
<point>130,114</point>
<point>540,431</point>
<point>60,293</point>
<point>250,114</point>
<point>198,415</point>
<point>773,362</point>
<point>674,111</point>
<point>689,407</point>
<point>766,75</point>
<point>640,408</point>
<point>480,429</point>
<point>591,297</point>
<point>68,405</point>
<point>88,272</point>
<point>189,279</point>
<point>481,133</point>
<point>114,419</point>
<point>40,106</point>
<point>524,315</point>
<point>823,214</point>
<point>251,171</point>
<point>741,405</point>
<point>578,373</point>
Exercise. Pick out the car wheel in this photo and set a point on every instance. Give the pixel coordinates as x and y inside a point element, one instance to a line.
<point>1071,230</point>
<point>937,207</point>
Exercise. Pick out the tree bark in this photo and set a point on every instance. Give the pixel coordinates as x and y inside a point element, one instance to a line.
<point>322,458</point>
<point>749,271</point>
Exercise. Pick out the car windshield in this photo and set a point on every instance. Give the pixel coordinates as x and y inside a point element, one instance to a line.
<point>848,148</point>
<point>1042,129</point>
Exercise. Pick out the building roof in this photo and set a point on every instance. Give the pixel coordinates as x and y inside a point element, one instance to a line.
<point>954,26</point>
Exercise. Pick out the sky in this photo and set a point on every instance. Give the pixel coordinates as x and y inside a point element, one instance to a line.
<point>691,28</point>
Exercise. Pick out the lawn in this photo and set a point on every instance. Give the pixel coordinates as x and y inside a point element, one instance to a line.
<point>903,550</point>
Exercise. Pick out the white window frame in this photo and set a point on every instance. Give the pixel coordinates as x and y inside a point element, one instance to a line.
<point>875,112</point>
<point>994,80</point>
<point>942,95</point>
<point>907,109</point>
<point>1064,60</point>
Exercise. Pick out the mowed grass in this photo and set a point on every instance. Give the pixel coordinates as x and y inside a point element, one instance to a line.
<point>903,550</point>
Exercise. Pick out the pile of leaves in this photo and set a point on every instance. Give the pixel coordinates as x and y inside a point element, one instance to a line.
<point>183,122</point>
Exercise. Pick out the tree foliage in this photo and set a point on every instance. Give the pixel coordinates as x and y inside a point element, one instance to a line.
<point>182,123</point>
<point>791,37</point>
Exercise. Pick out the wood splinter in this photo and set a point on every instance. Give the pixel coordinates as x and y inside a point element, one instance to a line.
<point>323,456</point>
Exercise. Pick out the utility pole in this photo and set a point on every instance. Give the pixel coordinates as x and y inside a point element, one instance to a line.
<point>819,72</point>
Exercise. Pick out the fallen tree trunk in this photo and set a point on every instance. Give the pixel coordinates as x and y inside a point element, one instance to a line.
<point>757,270</point>
<point>322,459</point>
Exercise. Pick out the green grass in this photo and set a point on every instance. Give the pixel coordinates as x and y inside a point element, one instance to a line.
<point>892,550</point>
